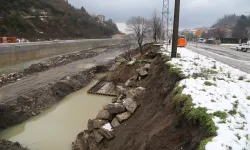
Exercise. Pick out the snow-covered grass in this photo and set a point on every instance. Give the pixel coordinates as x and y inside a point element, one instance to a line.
<point>222,92</point>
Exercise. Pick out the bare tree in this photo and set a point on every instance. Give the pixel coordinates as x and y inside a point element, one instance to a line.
<point>138,27</point>
<point>126,45</point>
<point>156,26</point>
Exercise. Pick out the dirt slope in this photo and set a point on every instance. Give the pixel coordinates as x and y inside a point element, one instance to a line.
<point>156,125</point>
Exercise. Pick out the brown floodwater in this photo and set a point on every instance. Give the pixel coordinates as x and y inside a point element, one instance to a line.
<point>57,127</point>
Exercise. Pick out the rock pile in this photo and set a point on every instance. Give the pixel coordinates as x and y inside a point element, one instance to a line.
<point>114,114</point>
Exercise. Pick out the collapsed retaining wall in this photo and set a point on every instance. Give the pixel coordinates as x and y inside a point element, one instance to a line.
<point>142,120</point>
<point>13,54</point>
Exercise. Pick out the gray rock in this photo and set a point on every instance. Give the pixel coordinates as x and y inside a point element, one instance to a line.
<point>97,123</point>
<point>134,77</point>
<point>142,72</point>
<point>116,108</point>
<point>81,141</point>
<point>147,66</point>
<point>123,116</point>
<point>98,136</point>
<point>130,83</point>
<point>108,134</point>
<point>120,59</point>
<point>90,125</point>
<point>114,100</point>
<point>105,115</point>
<point>120,90</point>
<point>133,93</point>
<point>130,105</point>
<point>115,122</point>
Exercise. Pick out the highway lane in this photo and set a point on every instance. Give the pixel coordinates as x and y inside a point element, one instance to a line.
<point>48,42</point>
<point>224,54</point>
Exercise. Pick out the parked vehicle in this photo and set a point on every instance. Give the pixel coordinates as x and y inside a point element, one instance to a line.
<point>243,47</point>
<point>201,40</point>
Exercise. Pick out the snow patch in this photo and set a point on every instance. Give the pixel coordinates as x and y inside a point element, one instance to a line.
<point>218,88</point>
<point>108,127</point>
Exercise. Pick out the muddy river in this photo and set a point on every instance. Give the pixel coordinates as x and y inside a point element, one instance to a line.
<point>56,128</point>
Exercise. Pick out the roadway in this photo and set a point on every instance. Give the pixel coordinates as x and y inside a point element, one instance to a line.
<point>225,54</point>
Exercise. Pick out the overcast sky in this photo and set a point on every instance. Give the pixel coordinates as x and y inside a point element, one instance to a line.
<point>194,13</point>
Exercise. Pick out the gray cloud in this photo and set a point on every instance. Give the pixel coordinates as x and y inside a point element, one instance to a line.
<point>194,13</point>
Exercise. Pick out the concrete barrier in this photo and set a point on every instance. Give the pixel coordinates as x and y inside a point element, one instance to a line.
<point>17,53</point>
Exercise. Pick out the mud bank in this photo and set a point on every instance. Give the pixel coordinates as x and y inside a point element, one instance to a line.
<point>154,123</point>
<point>7,145</point>
<point>52,63</point>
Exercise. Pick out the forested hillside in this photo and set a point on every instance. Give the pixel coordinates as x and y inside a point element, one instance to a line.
<point>50,19</point>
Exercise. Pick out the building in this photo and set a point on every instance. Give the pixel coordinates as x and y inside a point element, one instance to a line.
<point>101,18</point>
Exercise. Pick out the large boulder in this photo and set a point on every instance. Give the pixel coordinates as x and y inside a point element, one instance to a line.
<point>130,105</point>
<point>115,122</point>
<point>98,136</point>
<point>130,83</point>
<point>116,108</point>
<point>105,115</point>
<point>81,141</point>
<point>106,131</point>
<point>142,72</point>
<point>97,123</point>
<point>90,125</point>
<point>123,116</point>
<point>133,93</point>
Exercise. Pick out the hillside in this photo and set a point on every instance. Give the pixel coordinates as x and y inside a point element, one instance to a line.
<point>50,19</point>
<point>230,19</point>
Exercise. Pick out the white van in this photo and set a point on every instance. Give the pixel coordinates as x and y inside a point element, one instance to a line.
<point>243,47</point>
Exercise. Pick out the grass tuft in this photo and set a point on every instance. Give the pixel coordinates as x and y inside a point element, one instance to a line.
<point>207,83</point>
<point>203,143</point>
<point>248,97</point>
<point>232,112</point>
<point>220,114</point>
<point>241,78</point>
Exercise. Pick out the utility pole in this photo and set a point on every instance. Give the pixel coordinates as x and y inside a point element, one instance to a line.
<point>165,21</point>
<point>175,28</point>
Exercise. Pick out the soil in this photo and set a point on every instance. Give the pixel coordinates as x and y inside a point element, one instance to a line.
<point>156,125</point>
<point>52,63</point>
<point>7,145</point>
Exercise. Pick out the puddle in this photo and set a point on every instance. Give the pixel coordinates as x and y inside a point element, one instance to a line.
<point>56,128</point>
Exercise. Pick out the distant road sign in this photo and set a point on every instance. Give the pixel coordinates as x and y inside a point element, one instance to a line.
<point>198,33</point>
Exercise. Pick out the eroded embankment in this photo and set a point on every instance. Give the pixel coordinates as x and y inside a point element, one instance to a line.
<point>54,62</point>
<point>34,102</point>
<point>154,120</point>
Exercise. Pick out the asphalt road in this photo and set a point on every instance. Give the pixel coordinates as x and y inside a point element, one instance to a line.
<point>47,42</point>
<point>225,54</point>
